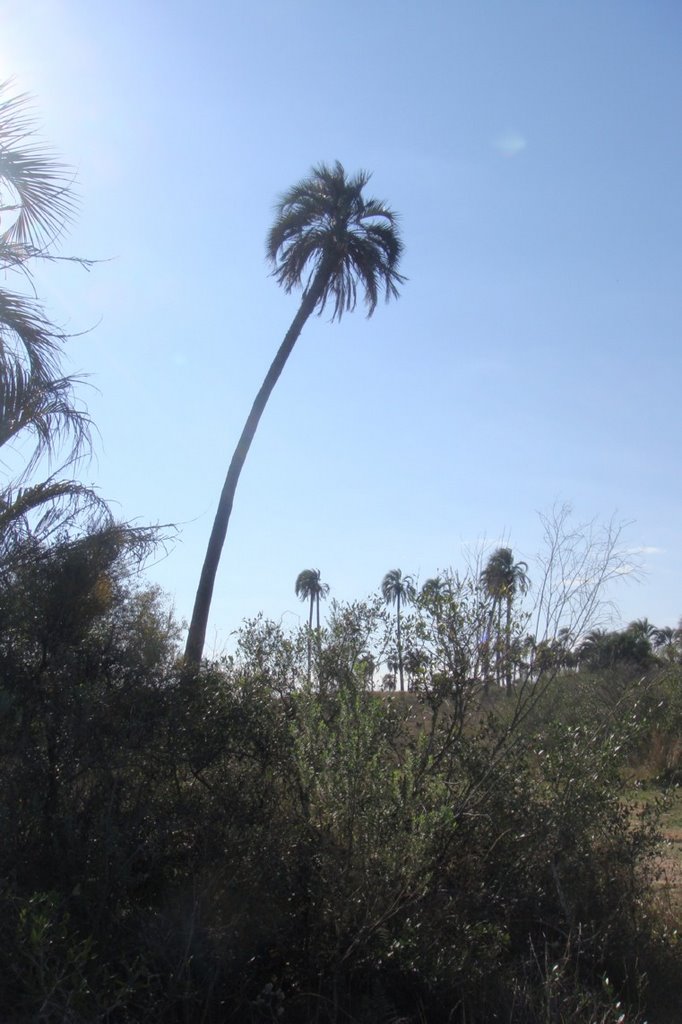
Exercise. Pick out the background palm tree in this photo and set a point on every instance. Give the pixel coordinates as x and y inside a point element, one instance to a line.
<point>332,242</point>
<point>667,643</point>
<point>309,587</point>
<point>644,629</point>
<point>503,579</point>
<point>398,590</point>
<point>594,649</point>
<point>431,595</point>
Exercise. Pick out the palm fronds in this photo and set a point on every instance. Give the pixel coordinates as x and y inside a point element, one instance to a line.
<point>45,410</point>
<point>34,186</point>
<point>36,203</point>
<point>325,221</point>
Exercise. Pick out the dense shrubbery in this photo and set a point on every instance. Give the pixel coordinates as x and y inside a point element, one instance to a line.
<point>237,846</point>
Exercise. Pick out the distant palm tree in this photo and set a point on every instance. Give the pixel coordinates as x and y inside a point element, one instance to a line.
<point>564,645</point>
<point>332,242</point>
<point>667,642</point>
<point>416,663</point>
<point>596,648</point>
<point>398,589</point>
<point>365,667</point>
<point>503,579</point>
<point>664,636</point>
<point>432,592</point>
<point>433,588</point>
<point>644,630</point>
<point>309,587</point>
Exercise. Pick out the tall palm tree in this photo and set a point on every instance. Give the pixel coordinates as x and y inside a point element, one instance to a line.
<point>503,579</point>
<point>398,589</point>
<point>333,243</point>
<point>309,587</point>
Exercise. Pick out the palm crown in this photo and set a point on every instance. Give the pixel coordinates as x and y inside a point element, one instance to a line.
<point>396,588</point>
<point>502,577</point>
<point>325,225</point>
<point>309,585</point>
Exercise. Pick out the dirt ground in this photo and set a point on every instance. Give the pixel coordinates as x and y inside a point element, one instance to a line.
<point>671,870</point>
<point>670,863</point>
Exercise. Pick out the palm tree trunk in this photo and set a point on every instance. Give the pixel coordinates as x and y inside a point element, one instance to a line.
<point>400,648</point>
<point>310,637</point>
<point>498,644</point>
<point>318,640</point>
<point>507,646</point>
<point>196,636</point>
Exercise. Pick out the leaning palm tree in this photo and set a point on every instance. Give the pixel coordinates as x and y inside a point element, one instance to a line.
<point>309,587</point>
<point>398,589</point>
<point>502,579</point>
<point>332,242</point>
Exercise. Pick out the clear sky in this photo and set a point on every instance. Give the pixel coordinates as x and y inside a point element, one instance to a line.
<point>533,150</point>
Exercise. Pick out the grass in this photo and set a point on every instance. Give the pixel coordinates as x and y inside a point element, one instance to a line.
<point>669,800</point>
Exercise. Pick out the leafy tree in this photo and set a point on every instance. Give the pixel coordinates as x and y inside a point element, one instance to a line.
<point>398,590</point>
<point>503,579</point>
<point>355,635</point>
<point>333,242</point>
<point>309,587</point>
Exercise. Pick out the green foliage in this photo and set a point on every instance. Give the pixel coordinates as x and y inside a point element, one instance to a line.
<point>241,847</point>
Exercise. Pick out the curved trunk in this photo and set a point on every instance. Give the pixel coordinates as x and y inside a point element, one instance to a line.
<point>202,603</point>
<point>310,638</point>
<point>400,649</point>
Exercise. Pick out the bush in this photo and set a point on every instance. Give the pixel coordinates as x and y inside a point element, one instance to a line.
<point>230,847</point>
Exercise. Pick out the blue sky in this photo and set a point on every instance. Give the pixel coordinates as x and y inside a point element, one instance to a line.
<point>533,152</point>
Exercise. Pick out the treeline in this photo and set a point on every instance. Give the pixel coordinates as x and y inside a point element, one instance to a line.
<point>478,614</point>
